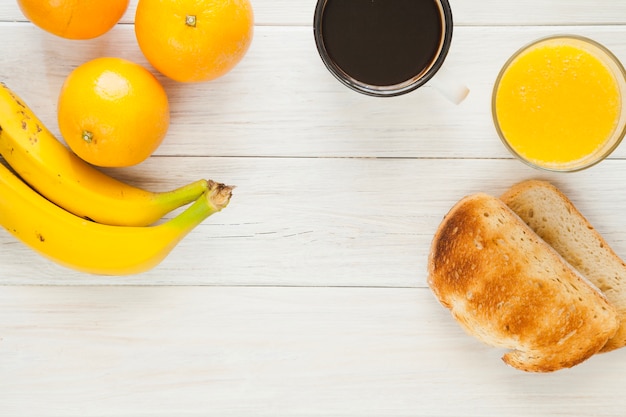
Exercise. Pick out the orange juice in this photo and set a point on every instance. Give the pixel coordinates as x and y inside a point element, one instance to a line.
<point>557,104</point>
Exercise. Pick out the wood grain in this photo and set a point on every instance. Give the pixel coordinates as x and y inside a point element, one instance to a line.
<point>265,108</point>
<point>465,12</point>
<point>325,221</point>
<point>217,351</point>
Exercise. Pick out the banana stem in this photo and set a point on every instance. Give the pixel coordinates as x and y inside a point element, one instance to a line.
<point>179,197</point>
<point>214,199</point>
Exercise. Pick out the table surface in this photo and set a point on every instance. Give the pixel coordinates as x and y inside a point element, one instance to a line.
<point>307,296</point>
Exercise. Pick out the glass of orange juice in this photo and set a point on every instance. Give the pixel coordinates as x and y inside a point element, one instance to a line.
<point>558,103</point>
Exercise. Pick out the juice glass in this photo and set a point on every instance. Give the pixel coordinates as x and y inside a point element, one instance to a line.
<point>558,103</point>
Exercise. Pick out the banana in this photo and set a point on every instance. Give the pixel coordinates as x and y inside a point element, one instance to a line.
<point>41,160</point>
<point>92,247</point>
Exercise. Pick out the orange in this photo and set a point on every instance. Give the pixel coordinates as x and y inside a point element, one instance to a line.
<point>113,112</point>
<point>194,40</point>
<point>74,19</point>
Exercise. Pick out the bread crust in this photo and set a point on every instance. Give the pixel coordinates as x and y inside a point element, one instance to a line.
<point>551,214</point>
<point>508,288</point>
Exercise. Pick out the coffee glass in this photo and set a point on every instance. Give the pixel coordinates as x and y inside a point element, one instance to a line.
<point>558,103</point>
<point>386,48</point>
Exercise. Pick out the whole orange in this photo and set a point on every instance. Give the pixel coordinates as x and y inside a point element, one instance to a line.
<point>74,19</point>
<point>113,112</point>
<point>194,40</point>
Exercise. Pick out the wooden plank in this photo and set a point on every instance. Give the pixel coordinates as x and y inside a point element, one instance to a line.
<point>191,351</point>
<point>265,108</point>
<point>325,221</point>
<point>486,12</point>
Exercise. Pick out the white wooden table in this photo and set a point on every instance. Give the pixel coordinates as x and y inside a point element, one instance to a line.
<point>307,296</point>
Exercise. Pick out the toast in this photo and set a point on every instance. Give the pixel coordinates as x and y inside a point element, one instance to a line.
<point>510,289</point>
<point>555,219</point>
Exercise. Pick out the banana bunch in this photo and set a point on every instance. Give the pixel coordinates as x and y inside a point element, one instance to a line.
<point>78,216</point>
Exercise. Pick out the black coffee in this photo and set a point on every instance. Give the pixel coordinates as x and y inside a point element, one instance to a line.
<point>382,42</point>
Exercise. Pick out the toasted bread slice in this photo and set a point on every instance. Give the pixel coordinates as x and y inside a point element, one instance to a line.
<point>510,289</point>
<point>555,219</point>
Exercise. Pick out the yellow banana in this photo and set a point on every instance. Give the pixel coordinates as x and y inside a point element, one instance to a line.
<point>48,166</point>
<point>93,247</point>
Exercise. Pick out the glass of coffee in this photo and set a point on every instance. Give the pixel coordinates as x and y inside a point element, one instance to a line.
<point>384,48</point>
